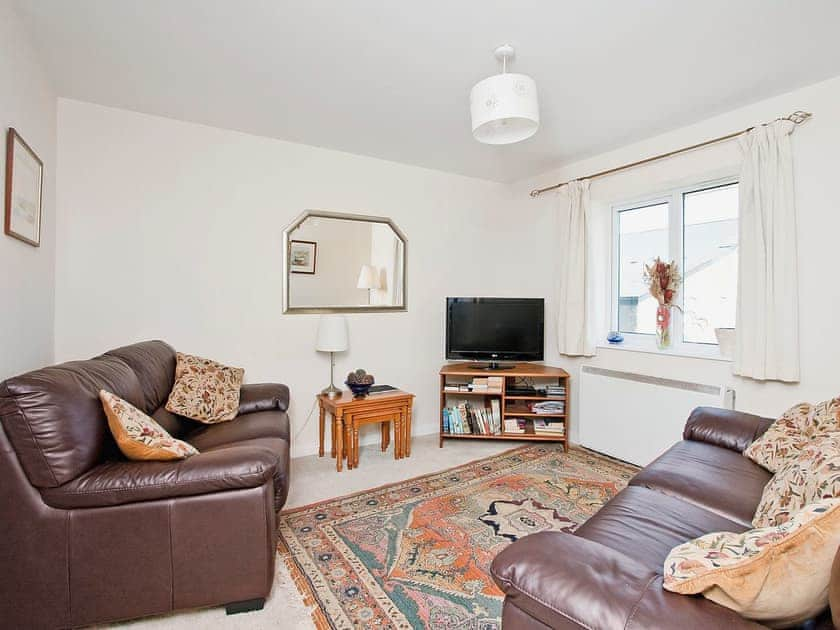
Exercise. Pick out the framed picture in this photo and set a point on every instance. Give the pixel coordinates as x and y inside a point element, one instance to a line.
<point>302,256</point>
<point>24,185</point>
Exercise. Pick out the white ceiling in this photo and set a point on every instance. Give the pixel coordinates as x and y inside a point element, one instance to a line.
<point>391,79</point>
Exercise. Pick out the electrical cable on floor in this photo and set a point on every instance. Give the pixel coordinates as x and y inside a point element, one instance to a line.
<point>305,422</point>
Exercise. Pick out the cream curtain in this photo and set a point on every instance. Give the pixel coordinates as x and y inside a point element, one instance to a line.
<point>767,320</point>
<point>574,307</point>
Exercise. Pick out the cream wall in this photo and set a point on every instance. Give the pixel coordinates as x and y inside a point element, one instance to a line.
<point>173,230</point>
<point>816,174</point>
<point>27,281</point>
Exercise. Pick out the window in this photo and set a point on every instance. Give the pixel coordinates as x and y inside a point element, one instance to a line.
<point>697,227</point>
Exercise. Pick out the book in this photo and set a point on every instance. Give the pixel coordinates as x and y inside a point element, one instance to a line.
<point>496,412</point>
<point>543,427</point>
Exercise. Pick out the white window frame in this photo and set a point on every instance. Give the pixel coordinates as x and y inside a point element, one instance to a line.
<point>642,342</point>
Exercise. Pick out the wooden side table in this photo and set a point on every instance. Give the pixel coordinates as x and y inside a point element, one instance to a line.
<point>372,404</point>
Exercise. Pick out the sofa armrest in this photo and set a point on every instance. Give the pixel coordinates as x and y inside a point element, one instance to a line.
<point>263,397</point>
<point>563,581</point>
<point>231,467</point>
<point>726,428</point>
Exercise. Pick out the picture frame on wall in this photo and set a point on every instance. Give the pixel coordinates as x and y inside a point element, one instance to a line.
<point>24,190</point>
<point>302,256</point>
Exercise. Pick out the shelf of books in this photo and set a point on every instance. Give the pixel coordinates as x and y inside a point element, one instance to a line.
<point>523,402</point>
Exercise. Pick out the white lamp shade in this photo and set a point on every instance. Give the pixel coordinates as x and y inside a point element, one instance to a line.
<point>504,109</point>
<point>332,334</point>
<point>368,278</point>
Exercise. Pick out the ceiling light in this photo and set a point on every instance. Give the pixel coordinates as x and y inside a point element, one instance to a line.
<point>504,107</point>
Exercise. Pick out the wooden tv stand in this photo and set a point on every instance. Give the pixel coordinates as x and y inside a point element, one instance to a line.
<point>512,405</point>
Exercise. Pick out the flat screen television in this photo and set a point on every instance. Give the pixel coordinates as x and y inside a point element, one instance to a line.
<point>495,329</point>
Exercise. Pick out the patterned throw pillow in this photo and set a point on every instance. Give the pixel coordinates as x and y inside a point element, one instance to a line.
<point>138,436</point>
<point>812,475</point>
<point>776,575</point>
<point>792,431</point>
<point>205,390</point>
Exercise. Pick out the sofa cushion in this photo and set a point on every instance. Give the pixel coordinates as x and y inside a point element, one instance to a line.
<point>205,390</point>
<point>776,575</point>
<point>792,431</point>
<point>231,467</point>
<point>645,525</point>
<point>246,427</point>
<point>138,436</point>
<point>154,364</point>
<point>703,474</point>
<point>813,475</point>
<point>55,420</point>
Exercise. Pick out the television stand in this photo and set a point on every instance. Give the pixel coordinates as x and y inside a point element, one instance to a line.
<point>509,402</point>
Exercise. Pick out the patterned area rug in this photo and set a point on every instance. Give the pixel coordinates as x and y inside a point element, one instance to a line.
<point>416,554</point>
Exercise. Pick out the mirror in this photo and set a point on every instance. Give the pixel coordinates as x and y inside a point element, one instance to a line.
<point>340,263</point>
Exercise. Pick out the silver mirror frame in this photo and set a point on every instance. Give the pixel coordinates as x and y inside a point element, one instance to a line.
<point>325,214</point>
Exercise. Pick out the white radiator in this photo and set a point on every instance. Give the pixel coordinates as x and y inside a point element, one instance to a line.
<point>635,417</point>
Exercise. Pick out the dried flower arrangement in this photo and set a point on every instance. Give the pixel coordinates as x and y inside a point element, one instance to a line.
<point>663,282</point>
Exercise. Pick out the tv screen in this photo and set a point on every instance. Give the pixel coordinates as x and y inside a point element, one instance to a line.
<point>508,329</point>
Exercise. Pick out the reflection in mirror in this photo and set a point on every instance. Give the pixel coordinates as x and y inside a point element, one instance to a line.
<point>344,262</point>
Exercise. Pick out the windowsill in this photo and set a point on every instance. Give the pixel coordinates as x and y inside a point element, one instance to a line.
<point>704,352</point>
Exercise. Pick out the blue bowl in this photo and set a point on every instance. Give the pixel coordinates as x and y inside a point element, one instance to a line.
<point>359,389</point>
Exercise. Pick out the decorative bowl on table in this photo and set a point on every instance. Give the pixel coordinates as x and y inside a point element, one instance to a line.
<point>359,382</point>
<point>359,390</point>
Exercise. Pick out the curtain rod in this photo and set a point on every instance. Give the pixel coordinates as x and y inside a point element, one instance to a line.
<point>798,117</point>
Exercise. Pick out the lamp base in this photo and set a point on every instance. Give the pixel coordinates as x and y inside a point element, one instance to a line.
<point>332,392</point>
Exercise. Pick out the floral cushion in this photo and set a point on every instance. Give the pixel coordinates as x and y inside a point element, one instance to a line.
<point>776,575</point>
<point>205,390</point>
<point>812,475</point>
<point>137,435</point>
<point>792,431</point>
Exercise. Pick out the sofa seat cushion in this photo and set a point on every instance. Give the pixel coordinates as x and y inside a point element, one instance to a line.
<point>230,467</point>
<point>717,479</point>
<point>645,525</point>
<point>250,426</point>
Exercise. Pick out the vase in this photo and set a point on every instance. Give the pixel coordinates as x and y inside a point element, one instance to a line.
<point>663,327</point>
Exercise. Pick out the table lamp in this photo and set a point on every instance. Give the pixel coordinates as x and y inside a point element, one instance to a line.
<point>368,279</point>
<point>332,338</point>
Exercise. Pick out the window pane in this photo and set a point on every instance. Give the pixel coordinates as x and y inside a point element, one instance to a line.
<point>642,236</point>
<point>710,264</point>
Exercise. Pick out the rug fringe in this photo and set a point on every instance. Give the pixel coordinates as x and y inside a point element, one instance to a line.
<point>304,588</point>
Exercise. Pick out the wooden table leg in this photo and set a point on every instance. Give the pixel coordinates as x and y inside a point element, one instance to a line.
<point>385,432</point>
<point>398,436</point>
<point>348,440</point>
<point>355,445</point>
<point>407,432</point>
<point>332,436</point>
<point>321,429</point>
<point>339,439</point>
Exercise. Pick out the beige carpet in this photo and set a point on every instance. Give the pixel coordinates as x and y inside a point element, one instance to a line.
<point>315,479</point>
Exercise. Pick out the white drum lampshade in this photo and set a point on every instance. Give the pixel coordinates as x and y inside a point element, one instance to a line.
<point>504,107</point>
<point>332,334</point>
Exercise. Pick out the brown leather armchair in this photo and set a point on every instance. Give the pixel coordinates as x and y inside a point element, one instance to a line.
<point>91,537</point>
<point>608,573</point>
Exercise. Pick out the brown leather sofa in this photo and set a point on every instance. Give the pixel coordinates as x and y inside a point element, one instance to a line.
<point>89,537</point>
<point>608,573</point>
